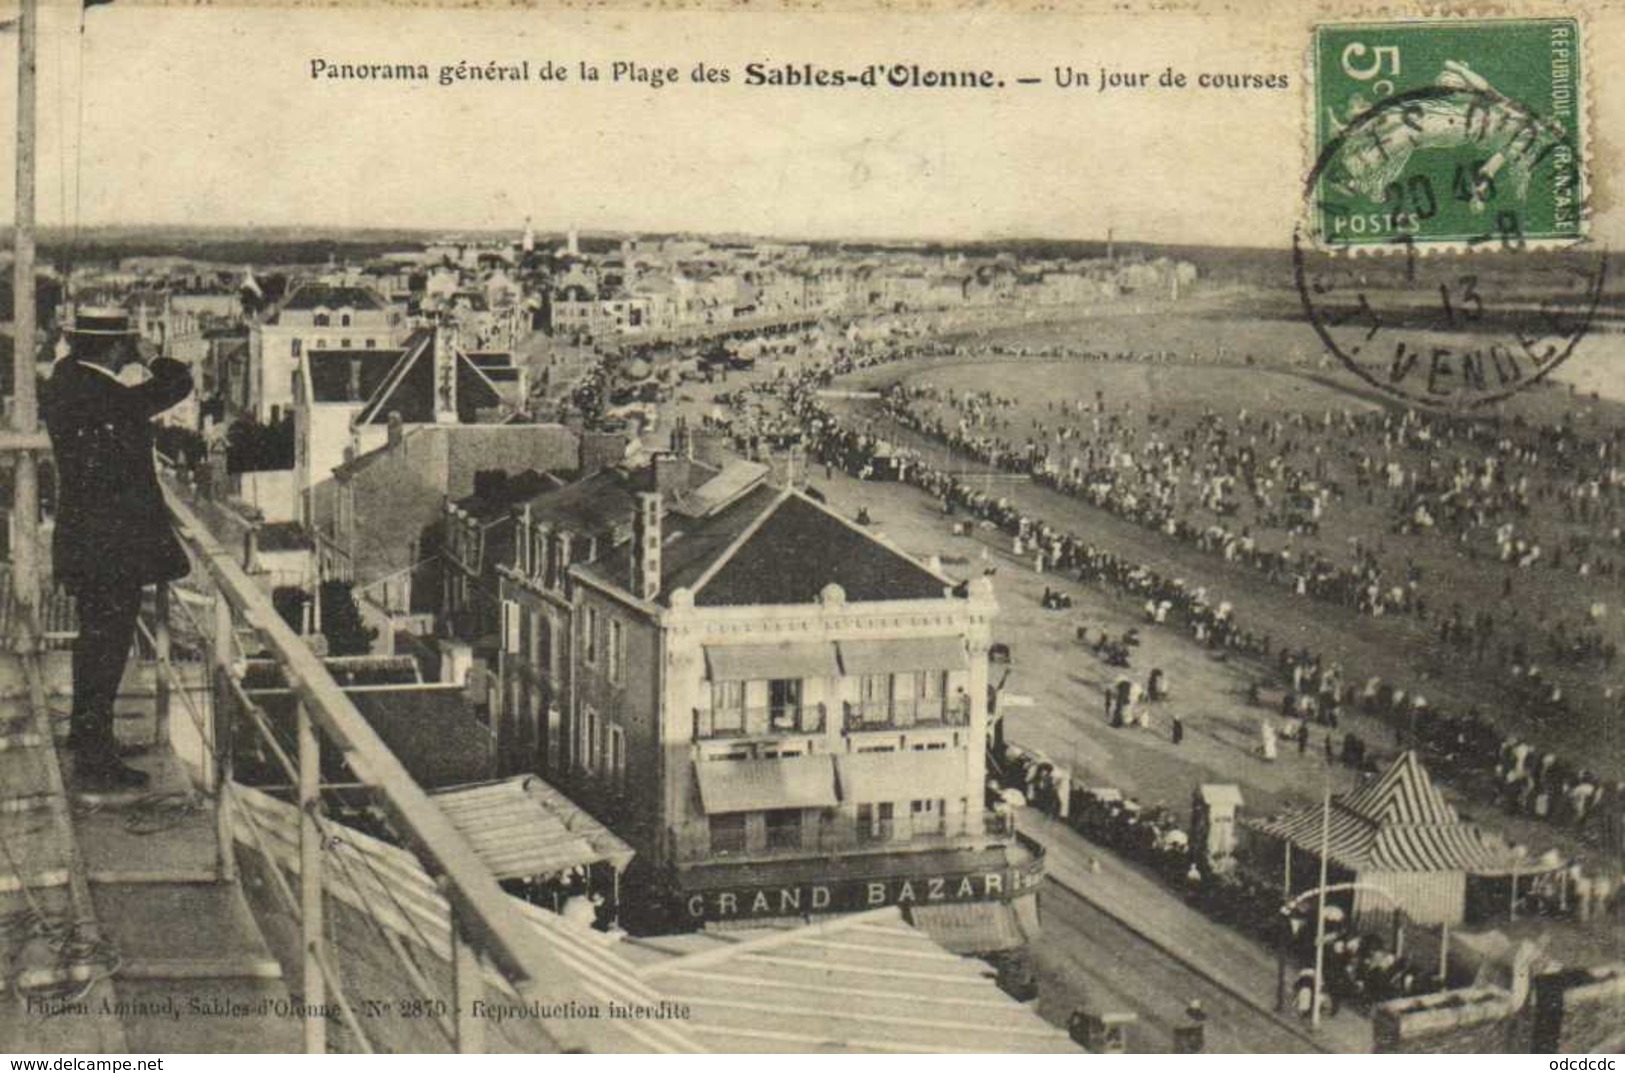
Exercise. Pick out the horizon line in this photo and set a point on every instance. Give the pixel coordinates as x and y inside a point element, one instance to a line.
<point>60,230</point>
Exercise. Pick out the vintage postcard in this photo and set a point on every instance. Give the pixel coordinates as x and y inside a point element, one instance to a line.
<point>952,528</point>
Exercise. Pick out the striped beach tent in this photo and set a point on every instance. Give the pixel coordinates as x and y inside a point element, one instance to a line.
<point>1396,839</point>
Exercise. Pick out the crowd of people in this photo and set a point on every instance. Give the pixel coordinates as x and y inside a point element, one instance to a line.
<point>1360,968</point>
<point>1317,690</point>
<point>1222,483</point>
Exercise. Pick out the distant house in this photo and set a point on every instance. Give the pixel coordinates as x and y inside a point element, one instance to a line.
<point>346,398</point>
<point>376,517</point>
<point>550,532</point>
<point>313,316</point>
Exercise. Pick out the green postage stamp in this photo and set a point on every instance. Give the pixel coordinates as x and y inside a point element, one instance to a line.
<point>1448,132</point>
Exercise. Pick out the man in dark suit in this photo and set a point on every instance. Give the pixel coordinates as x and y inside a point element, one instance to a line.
<point>113,535</point>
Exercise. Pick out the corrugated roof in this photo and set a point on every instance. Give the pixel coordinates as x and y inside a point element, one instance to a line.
<point>862,983</point>
<point>519,834</point>
<point>393,887</point>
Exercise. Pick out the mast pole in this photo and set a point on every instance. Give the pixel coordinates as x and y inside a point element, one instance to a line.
<point>1320,903</point>
<point>25,406</point>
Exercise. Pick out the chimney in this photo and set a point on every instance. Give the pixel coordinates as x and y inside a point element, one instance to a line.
<point>561,558</point>
<point>543,566</point>
<point>646,547</point>
<point>682,440</point>
<point>445,377</point>
<point>668,473</point>
<point>397,430</point>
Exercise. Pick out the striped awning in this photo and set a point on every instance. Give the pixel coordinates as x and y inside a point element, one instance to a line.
<point>1347,836</point>
<point>1455,847</point>
<point>1398,823</point>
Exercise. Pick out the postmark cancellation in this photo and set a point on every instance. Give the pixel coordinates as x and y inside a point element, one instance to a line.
<point>1448,133</point>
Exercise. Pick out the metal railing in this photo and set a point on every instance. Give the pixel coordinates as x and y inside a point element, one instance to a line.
<point>484,936</point>
<point>701,843</point>
<point>903,714</point>
<point>758,722</point>
<point>486,925</point>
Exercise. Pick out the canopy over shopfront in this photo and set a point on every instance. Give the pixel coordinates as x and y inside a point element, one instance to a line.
<point>763,662</point>
<point>1396,839</point>
<point>787,782</point>
<point>523,828</point>
<point>896,655</point>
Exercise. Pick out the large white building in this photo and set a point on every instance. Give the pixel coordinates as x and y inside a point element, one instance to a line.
<point>784,714</point>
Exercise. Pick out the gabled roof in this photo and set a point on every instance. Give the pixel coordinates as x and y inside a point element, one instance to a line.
<point>332,296</point>
<point>798,547</point>
<point>409,388</point>
<point>773,546</point>
<point>348,375</point>
<point>601,503</point>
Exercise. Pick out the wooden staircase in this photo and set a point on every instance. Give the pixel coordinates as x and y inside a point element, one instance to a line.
<point>165,955</point>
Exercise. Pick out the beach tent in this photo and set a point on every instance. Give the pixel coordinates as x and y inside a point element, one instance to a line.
<point>1396,840</point>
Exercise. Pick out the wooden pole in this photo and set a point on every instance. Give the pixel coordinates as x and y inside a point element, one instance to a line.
<point>161,655</point>
<point>224,739</point>
<point>25,584</point>
<point>1320,902</point>
<point>314,993</point>
<point>1284,946</point>
<point>468,987</point>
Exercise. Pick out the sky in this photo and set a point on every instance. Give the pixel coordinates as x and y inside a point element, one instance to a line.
<point>210,116</point>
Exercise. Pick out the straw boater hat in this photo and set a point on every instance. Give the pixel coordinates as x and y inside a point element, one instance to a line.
<point>100,322</point>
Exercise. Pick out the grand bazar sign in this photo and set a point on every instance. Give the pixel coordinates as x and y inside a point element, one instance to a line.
<point>791,899</point>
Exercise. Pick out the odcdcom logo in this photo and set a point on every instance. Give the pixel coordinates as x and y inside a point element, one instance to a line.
<point>1605,1064</point>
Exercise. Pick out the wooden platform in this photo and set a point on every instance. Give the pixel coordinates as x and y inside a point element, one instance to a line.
<point>181,965</point>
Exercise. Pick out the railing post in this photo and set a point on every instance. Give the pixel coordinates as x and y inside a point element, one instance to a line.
<point>161,649</point>
<point>224,738</point>
<point>467,986</point>
<point>25,581</point>
<point>310,883</point>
